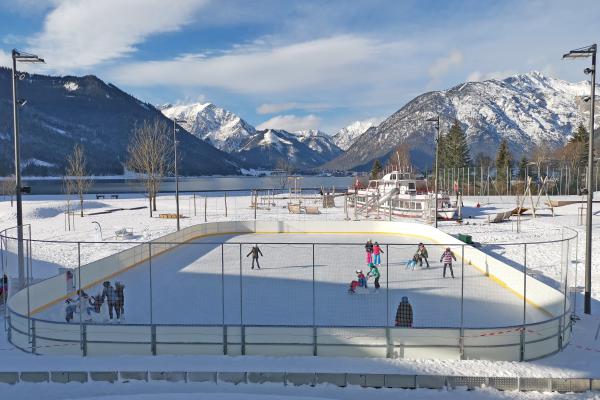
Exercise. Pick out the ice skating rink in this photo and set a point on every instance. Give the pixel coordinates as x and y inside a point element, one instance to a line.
<point>203,282</point>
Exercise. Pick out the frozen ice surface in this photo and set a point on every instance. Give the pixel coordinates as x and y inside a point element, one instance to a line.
<point>185,286</point>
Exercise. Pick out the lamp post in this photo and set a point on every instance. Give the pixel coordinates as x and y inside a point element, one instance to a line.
<point>437,154</point>
<point>18,56</point>
<point>175,122</point>
<point>584,52</point>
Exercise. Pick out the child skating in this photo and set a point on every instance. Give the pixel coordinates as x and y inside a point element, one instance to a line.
<point>369,251</point>
<point>360,281</point>
<point>377,251</point>
<point>447,257</point>
<point>374,272</point>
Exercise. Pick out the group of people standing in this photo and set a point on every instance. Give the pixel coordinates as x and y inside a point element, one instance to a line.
<point>373,251</point>
<point>113,296</point>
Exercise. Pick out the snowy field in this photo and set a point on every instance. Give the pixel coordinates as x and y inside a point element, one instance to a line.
<point>188,288</point>
<point>580,359</point>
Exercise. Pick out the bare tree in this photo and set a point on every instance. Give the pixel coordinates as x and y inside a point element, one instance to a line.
<point>285,169</point>
<point>78,175</point>
<point>400,159</point>
<point>150,156</point>
<point>540,156</point>
<point>68,190</point>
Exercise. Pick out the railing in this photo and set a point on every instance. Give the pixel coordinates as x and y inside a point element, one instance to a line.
<point>544,326</point>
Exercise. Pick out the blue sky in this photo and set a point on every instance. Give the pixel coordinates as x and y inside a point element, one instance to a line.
<point>303,64</point>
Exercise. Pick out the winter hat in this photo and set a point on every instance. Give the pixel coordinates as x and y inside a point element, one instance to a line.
<point>106,284</point>
<point>377,243</point>
<point>359,271</point>
<point>404,299</point>
<point>371,265</point>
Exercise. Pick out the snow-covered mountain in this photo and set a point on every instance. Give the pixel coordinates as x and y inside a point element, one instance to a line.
<point>221,128</point>
<point>228,132</point>
<point>270,147</point>
<point>525,109</point>
<point>345,137</point>
<point>66,110</point>
<point>319,142</point>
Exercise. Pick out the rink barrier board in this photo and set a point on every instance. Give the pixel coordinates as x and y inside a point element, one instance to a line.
<point>97,336</point>
<point>339,379</point>
<point>169,241</point>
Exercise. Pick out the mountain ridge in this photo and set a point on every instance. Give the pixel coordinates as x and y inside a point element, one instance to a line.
<point>525,109</point>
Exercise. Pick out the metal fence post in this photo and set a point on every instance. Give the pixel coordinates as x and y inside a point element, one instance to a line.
<point>84,341</point>
<point>79,297</point>
<point>243,329</point>
<point>387,284</point>
<point>33,341</point>
<point>241,290</point>
<point>461,340</point>
<point>522,350</point>
<point>314,322</point>
<point>150,283</point>
<point>563,322</point>
<point>27,280</point>
<point>153,339</point>
<point>223,300</point>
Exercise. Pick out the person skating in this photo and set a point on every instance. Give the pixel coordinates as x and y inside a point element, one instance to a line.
<point>360,281</point>
<point>120,303</point>
<point>374,272</point>
<point>369,251</point>
<point>3,288</point>
<point>447,257</point>
<point>377,251</point>
<point>110,295</point>
<point>423,255</point>
<point>404,314</point>
<point>255,252</point>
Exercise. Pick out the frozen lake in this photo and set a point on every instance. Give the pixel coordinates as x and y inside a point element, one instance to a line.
<point>203,282</point>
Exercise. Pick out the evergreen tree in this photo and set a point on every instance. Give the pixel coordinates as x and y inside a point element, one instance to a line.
<point>503,160</point>
<point>523,167</point>
<point>376,169</point>
<point>580,144</point>
<point>454,150</point>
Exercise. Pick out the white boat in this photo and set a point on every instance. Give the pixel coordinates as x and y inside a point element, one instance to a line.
<point>397,193</point>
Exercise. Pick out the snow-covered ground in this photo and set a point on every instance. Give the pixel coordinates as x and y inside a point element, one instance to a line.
<point>580,359</point>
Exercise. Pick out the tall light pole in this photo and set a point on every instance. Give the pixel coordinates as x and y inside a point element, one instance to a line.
<point>585,52</point>
<point>175,122</point>
<point>24,58</point>
<point>437,156</point>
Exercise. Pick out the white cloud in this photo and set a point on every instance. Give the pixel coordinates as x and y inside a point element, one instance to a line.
<point>444,64</point>
<point>272,108</point>
<point>5,59</point>
<point>291,123</point>
<point>476,76</point>
<point>84,33</point>
<point>334,62</point>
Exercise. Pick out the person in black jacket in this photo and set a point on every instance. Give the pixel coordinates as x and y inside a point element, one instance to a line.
<point>120,299</point>
<point>404,314</point>
<point>110,295</point>
<point>255,252</point>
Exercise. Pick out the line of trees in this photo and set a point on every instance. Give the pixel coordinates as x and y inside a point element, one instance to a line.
<point>454,153</point>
